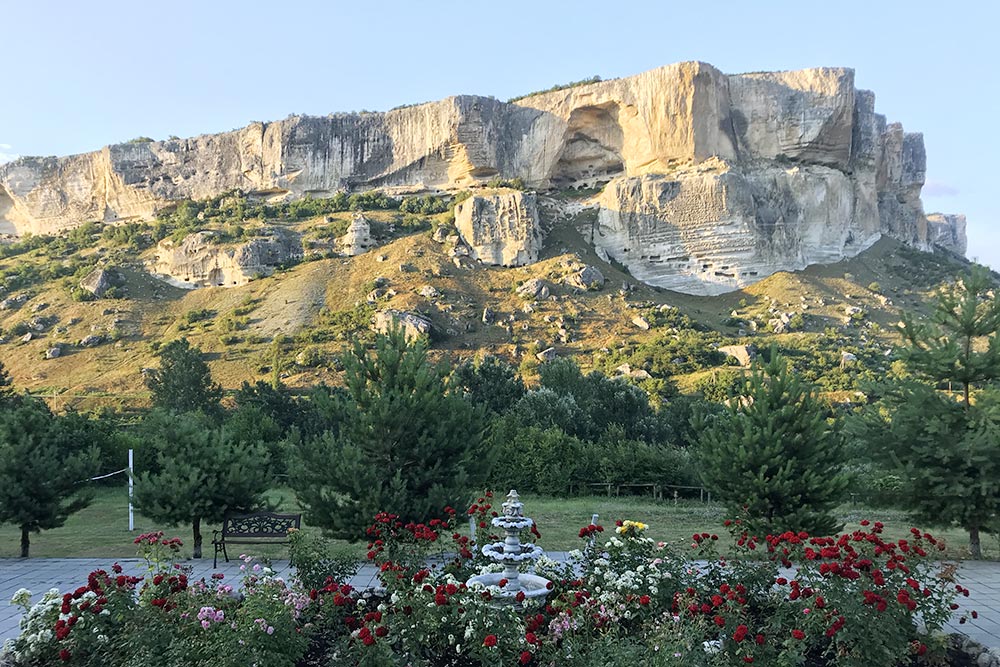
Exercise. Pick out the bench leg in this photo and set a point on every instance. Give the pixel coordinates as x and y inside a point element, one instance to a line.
<point>224,552</point>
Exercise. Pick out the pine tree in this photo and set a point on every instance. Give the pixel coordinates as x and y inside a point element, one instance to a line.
<point>771,457</point>
<point>406,443</point>
<point>43,464</point>
<point>183,382</point>
<point>198,472</point>
<point>944,448</point>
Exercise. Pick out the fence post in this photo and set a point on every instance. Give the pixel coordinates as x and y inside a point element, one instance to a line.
<point>593,536</point>
<point>131,515</point>
<point>472,529</point>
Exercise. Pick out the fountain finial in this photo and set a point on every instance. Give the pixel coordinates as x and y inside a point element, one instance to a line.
<point>513,505</point>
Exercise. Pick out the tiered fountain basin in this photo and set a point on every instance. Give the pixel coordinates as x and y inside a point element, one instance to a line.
<point>512,586</point>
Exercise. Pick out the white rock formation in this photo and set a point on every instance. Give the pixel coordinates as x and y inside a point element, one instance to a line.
<point>198,261</point>
<point>358,238</point>
<point>500,227</point>
<point>723,178</point>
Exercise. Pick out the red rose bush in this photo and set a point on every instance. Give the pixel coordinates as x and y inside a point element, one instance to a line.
<point>851,600</point>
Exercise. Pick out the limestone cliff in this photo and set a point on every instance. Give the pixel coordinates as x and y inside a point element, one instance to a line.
<point>715,180</point>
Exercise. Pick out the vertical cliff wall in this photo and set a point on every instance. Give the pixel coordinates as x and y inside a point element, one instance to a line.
<point>713,180</point>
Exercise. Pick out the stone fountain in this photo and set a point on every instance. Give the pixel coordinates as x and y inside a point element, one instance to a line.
<point>512,553</point>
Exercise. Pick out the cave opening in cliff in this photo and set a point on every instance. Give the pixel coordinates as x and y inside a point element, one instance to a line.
<point>591,152</point>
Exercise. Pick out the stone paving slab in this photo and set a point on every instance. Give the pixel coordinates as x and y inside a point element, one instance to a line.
<point>40,574</point>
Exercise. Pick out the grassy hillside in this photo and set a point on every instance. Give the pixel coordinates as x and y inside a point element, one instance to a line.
<point>294,322</point>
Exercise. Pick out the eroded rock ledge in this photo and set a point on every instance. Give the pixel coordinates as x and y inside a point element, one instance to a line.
<point>715,180</point>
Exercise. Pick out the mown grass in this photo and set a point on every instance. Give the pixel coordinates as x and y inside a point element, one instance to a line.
<point>101,530</point>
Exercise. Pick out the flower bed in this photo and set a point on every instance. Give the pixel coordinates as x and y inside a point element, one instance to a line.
<point>852,600</point>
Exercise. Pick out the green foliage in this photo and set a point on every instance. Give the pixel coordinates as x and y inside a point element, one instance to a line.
<point>317,559</point>
<point>43,460</point>
<point>944,450</point>
<point>408,442</point>
<point>492,383</point>
<point>771,457</point>
<point>426,205</point>
<point>721,385</point>
<point>516,183</point>
<point>593,402</point>
<point>559,86</point>
<point>199,471</point>
<point>183,382</point>
<point>198,315</point>
<point>960,342</point>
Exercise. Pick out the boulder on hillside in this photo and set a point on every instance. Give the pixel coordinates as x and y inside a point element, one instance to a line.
<point>745,354</point>
<point>533,289</point>
<point>547,354</point>
<point>413,325</point>
<point>587,278</point>
<point>98,282</point>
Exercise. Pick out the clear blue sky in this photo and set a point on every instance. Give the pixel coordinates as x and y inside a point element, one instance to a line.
<point>77,76</point>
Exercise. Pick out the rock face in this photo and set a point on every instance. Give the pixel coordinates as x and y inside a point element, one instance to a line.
<point>500,228</point>
<point>714,180</point>
<point>947,231</point>
<point>358,238</point>
<point>198,261</point>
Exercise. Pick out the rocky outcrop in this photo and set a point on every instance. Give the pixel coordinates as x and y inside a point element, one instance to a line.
<point>413,325</point>
<point>358,238</point>
<point>500,228</point>
<point>946,230</point>
<point>724,178</point>
<point>200,261</point>
<point>98,282</point>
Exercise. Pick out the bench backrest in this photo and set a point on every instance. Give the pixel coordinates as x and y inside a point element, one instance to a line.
<point>260,524</point>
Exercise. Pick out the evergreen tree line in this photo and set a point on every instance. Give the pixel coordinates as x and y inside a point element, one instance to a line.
<point>409,436</point>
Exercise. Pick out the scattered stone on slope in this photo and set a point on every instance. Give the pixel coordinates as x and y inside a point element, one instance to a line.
<point>535,288</point>
<point>13,302</point>
<point>641,322</point>
<point>91,340</point>
<point>429,292</point>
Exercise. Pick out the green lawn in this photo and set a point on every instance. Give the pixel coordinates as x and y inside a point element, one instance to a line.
<point>101,530</point>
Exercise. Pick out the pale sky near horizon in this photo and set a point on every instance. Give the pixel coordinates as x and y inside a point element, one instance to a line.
<point>78,76</point>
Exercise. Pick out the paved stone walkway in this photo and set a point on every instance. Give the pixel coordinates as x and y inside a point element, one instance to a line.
<point>40,574</point>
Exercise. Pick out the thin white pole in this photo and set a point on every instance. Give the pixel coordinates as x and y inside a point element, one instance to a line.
<point>131,516</point>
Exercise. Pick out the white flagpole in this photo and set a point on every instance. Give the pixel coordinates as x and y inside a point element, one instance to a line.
<point>131,517</point>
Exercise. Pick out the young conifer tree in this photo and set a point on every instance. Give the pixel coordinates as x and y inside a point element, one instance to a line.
<point>198,472</point>
<point>407,442</point>
<point>772,457</point>
<point>940,431</point>
<point>44,463</point>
